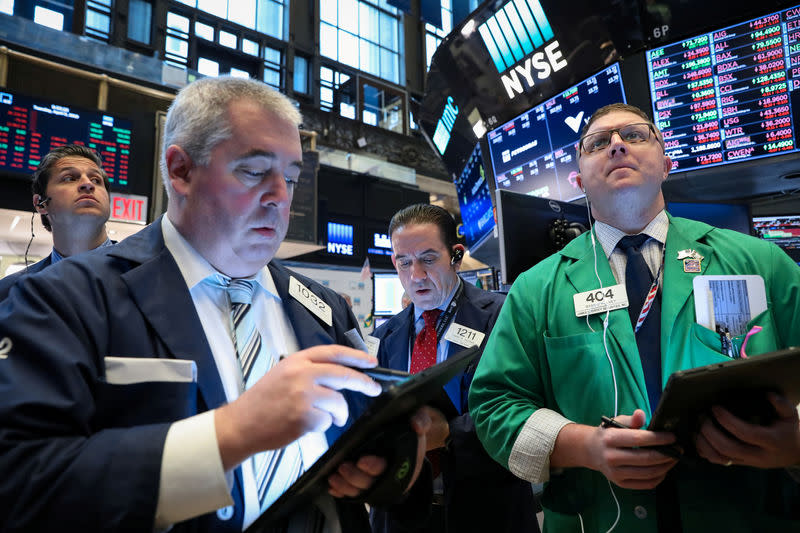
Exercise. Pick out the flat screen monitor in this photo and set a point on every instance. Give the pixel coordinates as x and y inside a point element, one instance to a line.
<point>527,232</point>
<point>728,216</point>
<point>379,321</point>
<point>729,95</point>
<point>783,230</point>
<point>475,201</point>
<point>31,127</point>
<point>535,152</point>
<point>387,294</point>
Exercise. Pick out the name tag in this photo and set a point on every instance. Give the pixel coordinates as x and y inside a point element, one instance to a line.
<point>373,343</point>
<point>463,336</point>
<point>310,301</point>
<point>600,300</point>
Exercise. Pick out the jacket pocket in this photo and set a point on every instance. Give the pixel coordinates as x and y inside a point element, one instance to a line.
<point>708,347</point>
<point>579,369</point>
<point>140,391</point>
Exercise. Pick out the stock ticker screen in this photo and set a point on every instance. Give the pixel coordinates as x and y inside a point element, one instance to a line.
<point>535,152</point>
<point>31,127</point>
<point>731,94</point>
<point>475,200</point>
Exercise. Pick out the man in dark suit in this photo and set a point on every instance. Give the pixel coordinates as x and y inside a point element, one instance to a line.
<point>136,391</point>
<point>70,193</point>
<point>475,492</point>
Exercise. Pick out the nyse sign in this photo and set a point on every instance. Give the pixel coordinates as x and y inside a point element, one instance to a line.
<point>541,64</point>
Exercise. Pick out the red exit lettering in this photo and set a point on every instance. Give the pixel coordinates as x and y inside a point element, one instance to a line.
<point>129,209</point>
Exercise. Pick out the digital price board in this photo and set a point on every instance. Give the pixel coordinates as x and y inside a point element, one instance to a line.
<point>783,230</point>
<point>475,201</point>
<point>535,152</point>
<point>729,95</point>
<point>31,127</point>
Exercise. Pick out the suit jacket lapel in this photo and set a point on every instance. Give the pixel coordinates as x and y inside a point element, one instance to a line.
<point>396,343</point>
<point>307,328</point>
<point>159,291</point>
<point>681,236</point>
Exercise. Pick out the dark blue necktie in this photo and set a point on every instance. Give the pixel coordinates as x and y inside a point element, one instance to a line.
<point>638,281</point>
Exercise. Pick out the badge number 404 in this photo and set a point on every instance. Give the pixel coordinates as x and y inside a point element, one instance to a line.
<point>600,300</point>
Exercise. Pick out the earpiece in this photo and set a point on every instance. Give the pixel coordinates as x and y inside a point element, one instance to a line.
<point>458,255</point>
<point>43,202</point>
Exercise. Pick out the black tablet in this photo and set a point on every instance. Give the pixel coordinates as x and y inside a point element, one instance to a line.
<point>739,385</point>
<point>370,433</point>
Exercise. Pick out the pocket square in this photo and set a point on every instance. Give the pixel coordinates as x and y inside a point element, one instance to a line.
<point>129,370</point>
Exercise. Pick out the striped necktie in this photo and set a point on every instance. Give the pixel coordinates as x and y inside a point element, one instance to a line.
<point>638,280</point>
<point>274,470</point>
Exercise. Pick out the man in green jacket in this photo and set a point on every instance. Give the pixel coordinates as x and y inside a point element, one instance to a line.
<point>547,376</point>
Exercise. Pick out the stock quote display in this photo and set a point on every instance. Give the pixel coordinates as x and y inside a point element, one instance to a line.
<point>729,95</point>
<point>30,127</point>
<point>475,200</point>
<point>535,152</point>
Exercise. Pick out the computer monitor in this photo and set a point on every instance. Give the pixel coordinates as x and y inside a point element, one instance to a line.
<point>387,294</point>
<point>475,201</point>
<point>728,216</point>
<point>783,230</point>
<point>531,229</point>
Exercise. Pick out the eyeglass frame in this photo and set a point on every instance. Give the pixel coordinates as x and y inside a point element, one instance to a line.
<point>611,131</point>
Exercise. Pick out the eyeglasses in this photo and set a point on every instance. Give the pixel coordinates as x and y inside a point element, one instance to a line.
<point>631,134</point>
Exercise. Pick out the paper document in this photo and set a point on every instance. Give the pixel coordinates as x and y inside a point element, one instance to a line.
<point>728,301</point>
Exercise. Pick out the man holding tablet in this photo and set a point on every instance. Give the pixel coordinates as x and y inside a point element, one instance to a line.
<point>473,493</point>
<point>597,328</point>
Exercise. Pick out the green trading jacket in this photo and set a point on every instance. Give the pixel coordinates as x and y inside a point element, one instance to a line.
<point>540,355</point>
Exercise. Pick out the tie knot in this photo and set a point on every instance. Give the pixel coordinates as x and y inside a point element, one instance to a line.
<point>430,317</point>
<point>241,290</point>
<point>631,243</point>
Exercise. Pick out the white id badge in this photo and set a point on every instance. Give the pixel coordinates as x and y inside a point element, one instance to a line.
<point>463,336</point>
<point>600,300</point>
<point>311,301</point>
<point>373,343</point>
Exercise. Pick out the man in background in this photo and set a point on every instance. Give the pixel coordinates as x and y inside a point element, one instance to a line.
<point>183,379</point>
<point>549,373</point>
<point>70,193</point>
<point>446,316</point>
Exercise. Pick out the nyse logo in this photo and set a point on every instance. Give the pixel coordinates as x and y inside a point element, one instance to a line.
<point>512,35</point>
<point>340,239</point>
<point>382,240</point>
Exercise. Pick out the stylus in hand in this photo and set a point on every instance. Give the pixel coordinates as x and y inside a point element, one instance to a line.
<point>384,374</point>
<point>670,450</point>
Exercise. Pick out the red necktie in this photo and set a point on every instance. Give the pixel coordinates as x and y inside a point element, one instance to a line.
<point>422,356</point>
<point>424,353</point>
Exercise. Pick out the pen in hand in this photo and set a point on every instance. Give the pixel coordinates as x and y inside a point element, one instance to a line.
<point>670,450</point>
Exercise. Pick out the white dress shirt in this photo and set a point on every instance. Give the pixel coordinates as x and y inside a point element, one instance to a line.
<point>192,479</point>
<point>530,455</point>
<point>442,345</point>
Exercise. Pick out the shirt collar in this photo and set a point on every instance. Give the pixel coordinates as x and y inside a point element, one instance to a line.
<point>195,268</point>
<point>418,312</point>
<point>609,236</point>
<point>55,257</point>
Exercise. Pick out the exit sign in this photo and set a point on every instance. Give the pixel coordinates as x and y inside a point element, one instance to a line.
<point>129,208</point>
